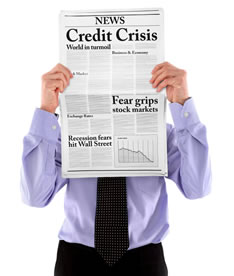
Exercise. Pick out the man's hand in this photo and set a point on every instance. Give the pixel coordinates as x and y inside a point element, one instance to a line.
<point>53,82</point>
<point>174,79</point>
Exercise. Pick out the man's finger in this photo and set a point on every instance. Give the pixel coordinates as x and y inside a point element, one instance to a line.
<point>54,84</point>
<point>61,68</point>
<point>158,66</point>
<point>171,72</point>
<point>57,76</point>
<point>156,74</point>
<point>161,77</point>
<point>165,82</point>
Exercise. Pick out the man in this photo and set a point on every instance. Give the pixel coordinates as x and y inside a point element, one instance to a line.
<point>188,166</point>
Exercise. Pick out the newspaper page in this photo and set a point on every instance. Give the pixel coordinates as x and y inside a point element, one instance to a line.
<point>113,122</point>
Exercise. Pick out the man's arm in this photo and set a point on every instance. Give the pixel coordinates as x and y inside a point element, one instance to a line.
<point>189,164</point>
<point>40,174</point>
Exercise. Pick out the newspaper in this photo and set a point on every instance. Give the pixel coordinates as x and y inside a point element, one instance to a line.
<point>113,123</point>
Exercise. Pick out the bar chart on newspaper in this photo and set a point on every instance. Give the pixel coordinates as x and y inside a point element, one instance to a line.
<point>113,122</point>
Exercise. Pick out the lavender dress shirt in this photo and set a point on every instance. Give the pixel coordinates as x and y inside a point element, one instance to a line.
<point>189,167</point>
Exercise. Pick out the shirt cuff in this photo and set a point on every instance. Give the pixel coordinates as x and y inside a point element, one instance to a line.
<point>45,124</point>
<point>184,115</point>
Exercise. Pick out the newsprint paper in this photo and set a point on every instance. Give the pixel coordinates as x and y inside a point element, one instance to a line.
<point>113,122</point>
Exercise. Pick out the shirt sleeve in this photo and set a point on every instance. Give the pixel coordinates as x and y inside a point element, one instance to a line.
<point>40,173</point>
<point>189,164</point>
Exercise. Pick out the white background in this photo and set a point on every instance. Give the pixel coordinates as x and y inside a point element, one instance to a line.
<point>199,39</point>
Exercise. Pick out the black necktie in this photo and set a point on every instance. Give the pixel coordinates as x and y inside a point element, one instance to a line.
<point>111,221</point>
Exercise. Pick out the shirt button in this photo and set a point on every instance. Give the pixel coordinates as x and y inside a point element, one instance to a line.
<point>54,126</point>
<point>186,114</point>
